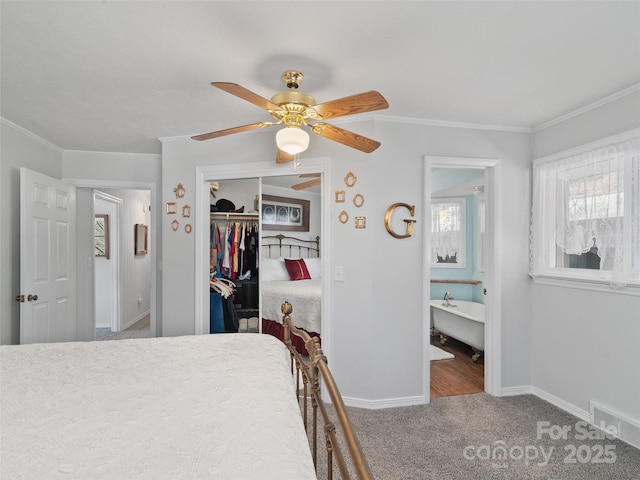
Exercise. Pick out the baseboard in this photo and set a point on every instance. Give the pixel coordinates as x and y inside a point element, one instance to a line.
<point>513,391</point>
<point>136,319</point>
<point>384,403</point>
<point>561,404</point>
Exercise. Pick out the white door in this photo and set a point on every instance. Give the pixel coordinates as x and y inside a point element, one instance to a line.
<point>47,259</point>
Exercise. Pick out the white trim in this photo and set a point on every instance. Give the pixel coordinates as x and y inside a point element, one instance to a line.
<point>451,124</point>
<point>515,391</point>
<point>561,404</point>
<point>385,403</point>
<point>599,103</point>
<point>155,226</point>
<point>493,263</point>
<point>154,156</point>
<point>31,135</point>
<point>585,284</point>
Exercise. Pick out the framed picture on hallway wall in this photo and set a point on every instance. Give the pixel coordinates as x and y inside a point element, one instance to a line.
<point>141,232</point>
<point>101,234</point>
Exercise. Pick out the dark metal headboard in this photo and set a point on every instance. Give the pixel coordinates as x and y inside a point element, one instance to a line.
<point>275,246</point>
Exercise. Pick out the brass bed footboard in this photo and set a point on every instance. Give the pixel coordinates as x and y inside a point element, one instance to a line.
<point>315,375</point>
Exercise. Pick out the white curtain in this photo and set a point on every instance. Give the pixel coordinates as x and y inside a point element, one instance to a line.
<point>587,200</point>
<point>446,228</point>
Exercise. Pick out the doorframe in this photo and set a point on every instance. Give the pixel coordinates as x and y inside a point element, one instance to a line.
<point>114,233</point>
<point>155,230</point>
<point>493,264</point>
<point>205,174</point>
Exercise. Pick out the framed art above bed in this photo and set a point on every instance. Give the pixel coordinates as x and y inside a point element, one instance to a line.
<point>285,214</point>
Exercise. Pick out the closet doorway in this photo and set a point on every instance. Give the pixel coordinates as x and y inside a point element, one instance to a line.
<point>461,273</point>
<point>262,172</point>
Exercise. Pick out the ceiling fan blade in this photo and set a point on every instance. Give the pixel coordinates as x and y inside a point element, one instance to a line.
<point>345,137</point>
<point>310,183</point>
<point>229,131</point>
<point>283,157</point>
<point>248,95</point>
<point>360,103</point>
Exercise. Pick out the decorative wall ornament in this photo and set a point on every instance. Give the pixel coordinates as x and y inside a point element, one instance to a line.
<point>361,222</point>
<point>174,225</point>
<point>389,213</point>
<point>186,211</point>
<point>358,200</point>
<point>187,228</point>
<point>172,208</point>
<point>179,191</point>
<point>350,179</point>
<point>343,217</point>
<point>340,196</point>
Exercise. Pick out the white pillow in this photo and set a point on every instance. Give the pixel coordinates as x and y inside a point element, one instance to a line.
<point>314,266</point>
<point>272,269</point>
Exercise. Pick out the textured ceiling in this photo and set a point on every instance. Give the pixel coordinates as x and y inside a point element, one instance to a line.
<point>116,76</point>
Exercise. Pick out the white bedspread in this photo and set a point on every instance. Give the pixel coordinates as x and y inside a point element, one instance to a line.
<point>304,295</point>
<point>194,407</point>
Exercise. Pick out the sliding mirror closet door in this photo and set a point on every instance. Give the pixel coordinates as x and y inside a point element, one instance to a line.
<point>290,265</point>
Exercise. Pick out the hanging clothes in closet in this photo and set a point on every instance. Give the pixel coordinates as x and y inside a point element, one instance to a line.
<point>234,248</point>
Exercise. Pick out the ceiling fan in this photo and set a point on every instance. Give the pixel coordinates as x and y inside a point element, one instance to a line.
<point>316,180</point>
<point>295,109</point>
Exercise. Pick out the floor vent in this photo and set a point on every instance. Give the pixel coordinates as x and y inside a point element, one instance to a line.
<point>627,430</point>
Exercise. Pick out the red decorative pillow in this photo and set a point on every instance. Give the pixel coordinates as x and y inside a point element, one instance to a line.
<point>297,269</point>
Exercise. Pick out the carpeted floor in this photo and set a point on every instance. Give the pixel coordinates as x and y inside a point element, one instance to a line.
<point>462,438</point>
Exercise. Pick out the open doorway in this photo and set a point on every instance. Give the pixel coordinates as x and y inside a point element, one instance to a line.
<point>122,263</point>
<point>462,315</point>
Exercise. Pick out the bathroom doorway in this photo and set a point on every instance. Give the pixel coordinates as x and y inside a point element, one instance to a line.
<point>460,271</point>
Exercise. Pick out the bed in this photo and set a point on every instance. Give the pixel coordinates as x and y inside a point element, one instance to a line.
<point>192,407</point>
<point>290,269</point>
<point>174,408</point>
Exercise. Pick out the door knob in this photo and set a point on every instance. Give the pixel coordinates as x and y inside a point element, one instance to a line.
<point>32,298</point>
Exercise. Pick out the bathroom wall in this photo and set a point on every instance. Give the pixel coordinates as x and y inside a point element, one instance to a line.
<point>444,182</point>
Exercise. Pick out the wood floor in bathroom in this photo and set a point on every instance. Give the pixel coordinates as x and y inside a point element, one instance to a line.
<point>456,376</point>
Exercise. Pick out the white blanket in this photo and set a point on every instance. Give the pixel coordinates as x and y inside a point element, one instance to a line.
<point>304,295</point>
<point>208,406</point>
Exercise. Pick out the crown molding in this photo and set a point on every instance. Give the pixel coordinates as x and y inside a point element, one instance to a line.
<point>599,103</point>
<point>451,124</point>
<point>152,156</point>
<point>31,135</point>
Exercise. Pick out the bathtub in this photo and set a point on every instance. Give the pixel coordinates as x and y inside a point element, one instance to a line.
<point>462,320</point>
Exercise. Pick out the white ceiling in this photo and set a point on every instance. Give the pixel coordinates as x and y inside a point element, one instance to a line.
<point>115,76</point>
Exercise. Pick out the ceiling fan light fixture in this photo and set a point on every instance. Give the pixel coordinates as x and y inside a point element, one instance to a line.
<point>292,140</point>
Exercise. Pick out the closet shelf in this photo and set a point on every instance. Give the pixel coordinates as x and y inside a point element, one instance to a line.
<point>234,216</point>
<point>464,282</point>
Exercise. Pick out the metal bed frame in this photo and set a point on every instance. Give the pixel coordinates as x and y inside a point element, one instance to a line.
<point>315,375</point>
<point>283,245</point>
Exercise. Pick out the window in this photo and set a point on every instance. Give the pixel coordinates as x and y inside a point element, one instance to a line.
<point>586,213</point>
<point>448,233</point>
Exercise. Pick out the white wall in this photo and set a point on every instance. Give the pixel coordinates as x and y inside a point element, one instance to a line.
<point>135,270</point>
<point>585,343</point>
<point>378,308</point>
<point>18,148</point>
<point>105,269</point>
